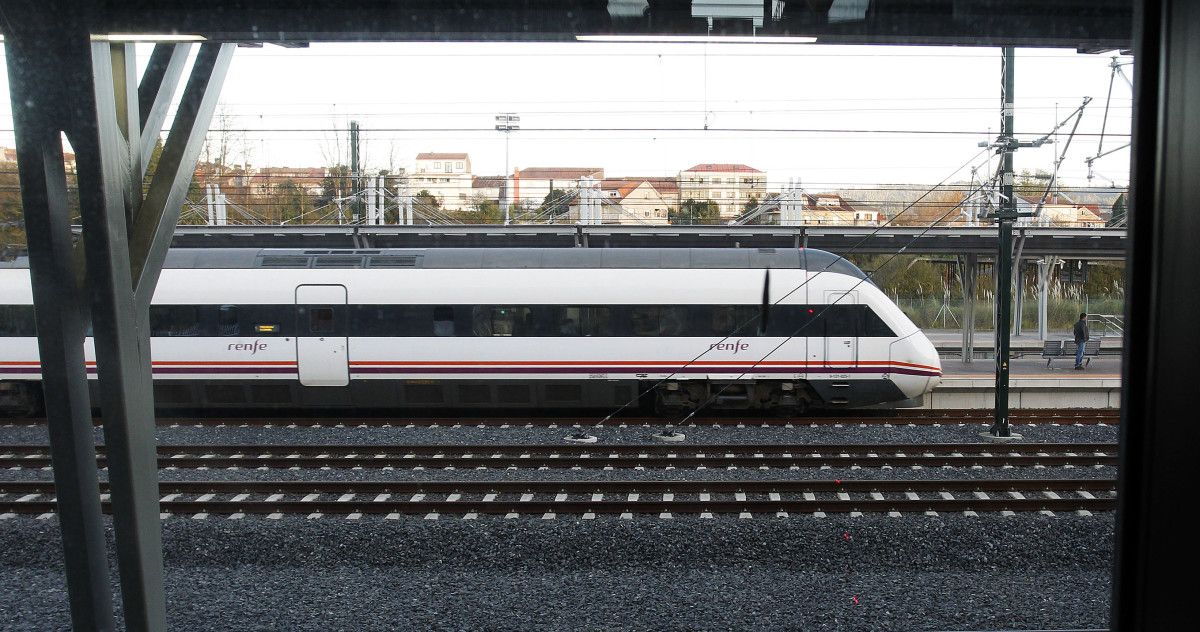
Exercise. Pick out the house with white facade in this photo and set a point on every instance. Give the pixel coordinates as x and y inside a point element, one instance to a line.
<point>1058,212</point>
<point>447,176</point>
<point>727,185</point>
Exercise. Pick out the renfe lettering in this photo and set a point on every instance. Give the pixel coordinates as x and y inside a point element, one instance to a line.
<point>735,346</point>
<point>252,347</point>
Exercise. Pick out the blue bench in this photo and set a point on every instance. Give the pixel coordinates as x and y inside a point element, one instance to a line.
<point>1052,349</point>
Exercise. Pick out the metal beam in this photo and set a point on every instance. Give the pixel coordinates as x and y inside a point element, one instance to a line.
<point>42,97</point>
<point>155,91</point>
<point>122,356</point>
<point>154,223</point>
<point>1159,469</point>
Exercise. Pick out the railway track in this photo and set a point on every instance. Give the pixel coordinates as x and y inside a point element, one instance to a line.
<point>593,456</point>
<point>589,499</point>
<point>916,417</point>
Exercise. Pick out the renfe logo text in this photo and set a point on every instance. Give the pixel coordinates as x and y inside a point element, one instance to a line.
<point>252,347</point>
<point>735,346</point>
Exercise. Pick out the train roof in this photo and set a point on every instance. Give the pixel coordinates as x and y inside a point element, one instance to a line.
<point>651,258</point>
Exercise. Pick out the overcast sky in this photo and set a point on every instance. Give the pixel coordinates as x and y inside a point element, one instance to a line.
<point>828,115</point>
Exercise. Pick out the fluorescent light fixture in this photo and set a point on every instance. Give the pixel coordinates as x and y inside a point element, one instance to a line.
<point>697,39</point>
<point>147,37</point>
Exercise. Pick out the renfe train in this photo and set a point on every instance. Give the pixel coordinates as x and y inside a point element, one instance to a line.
<point>668,330</point>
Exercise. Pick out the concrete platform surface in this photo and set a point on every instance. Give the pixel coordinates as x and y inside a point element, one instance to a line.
<point>1031,384</point>
<point>951,340</point>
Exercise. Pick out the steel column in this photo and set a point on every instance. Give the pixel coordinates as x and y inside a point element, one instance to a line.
<point>968,276</point>
<point>162,75</point>
<point>1005,217</point>
<point>41,87</point>
<point>156,217</point>
<point>126,399</point>
<point>1156,545</point>
<point>1045,267</point>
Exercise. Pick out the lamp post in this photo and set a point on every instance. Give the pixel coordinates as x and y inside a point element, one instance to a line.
<point>506,122</point>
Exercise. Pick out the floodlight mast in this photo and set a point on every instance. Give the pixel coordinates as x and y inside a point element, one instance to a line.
<point>506,122</point>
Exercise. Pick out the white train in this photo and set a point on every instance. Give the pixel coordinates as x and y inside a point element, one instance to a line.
<point>371,330</point>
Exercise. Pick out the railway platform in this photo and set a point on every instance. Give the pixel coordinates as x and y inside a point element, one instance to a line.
<point>1032,384</point>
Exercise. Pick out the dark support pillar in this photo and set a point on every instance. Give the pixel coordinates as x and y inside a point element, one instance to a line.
<point>64,83</point>
<point>41,111</point>
<point>968,276</point>
<point>1005,217</point>
<point>126,399</point>
<point>1157,488</point>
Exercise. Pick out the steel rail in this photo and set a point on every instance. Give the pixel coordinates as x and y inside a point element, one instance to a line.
<point>595,456</point>
<point>1090,495</point>
<point>876,417</point>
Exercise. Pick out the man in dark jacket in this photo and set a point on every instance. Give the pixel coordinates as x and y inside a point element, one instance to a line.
<point>1081,338</point>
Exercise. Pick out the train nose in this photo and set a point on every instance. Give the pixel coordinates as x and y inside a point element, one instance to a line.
<point>919,364</point>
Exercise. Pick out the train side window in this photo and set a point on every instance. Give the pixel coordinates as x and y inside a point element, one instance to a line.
<point>320,320</point>
<point>644,319</point>
<point>502,320</point>
<point>17,321</point>
<point>671,321</point>
<point>597,321</point>
<point>443,320</point>
<point>174,320</point>
<point>566,321</point>
<point>227,321</point>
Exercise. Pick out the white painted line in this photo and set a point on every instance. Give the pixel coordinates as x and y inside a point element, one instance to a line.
<point>666,515</point>
<point>589,516</point>
<point>982,496</point>
<point>876,496</point>
<point>626,516</point>
<point>433,515</point>
<point>274,516</point>
<point>912,496</point>
<point>510,516</point>
<point>237,516</point>
<point>597,497</point>
<point>946,495</point>
<point>8,516</point>
<point>27,497</point>
<point>843,496</point>
<point>634,496</point>
<point>205,498</point>
<point>200,516</point>
<point>739,496</point>
<point>668,497</point>
<point>470,516</point>
<point>1086,494</point>
<point>453,498</point>
<point>1017,495</point>
<point>745,515</point>
<point>489,498</point>
<point>549,515</point>
<point>314,515</point>
<point>45,516</point>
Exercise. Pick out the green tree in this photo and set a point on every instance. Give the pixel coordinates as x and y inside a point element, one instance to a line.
<point>556,203</point>
<point>694,212</point>
<point>292,202</point>
<point>480,211</point>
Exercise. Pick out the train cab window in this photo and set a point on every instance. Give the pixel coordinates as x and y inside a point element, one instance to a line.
<point>227,320</point>
<point>443,321</point>
<point>320,320</point>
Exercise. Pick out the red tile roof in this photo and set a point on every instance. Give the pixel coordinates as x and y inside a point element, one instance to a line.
<point>432,155</point>
<point>559,173</point>
<point>723,168</point>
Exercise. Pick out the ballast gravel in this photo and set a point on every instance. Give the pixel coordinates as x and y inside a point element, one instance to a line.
<point>1028,571</point>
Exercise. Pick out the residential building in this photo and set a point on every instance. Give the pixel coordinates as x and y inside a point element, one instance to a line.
<point>447,176</point>
<point>821,209</point>
<point>531,186</point>
<point>628,201</point>
<point>310,180</point>
<point>729,186</point>
<point>1059,212</point>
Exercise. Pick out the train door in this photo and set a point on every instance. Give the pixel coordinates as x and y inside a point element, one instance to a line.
<point>841,332</point>
<point>321,346</point>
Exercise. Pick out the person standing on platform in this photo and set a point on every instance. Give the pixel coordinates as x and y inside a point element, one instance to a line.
<point>1081,338</point>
